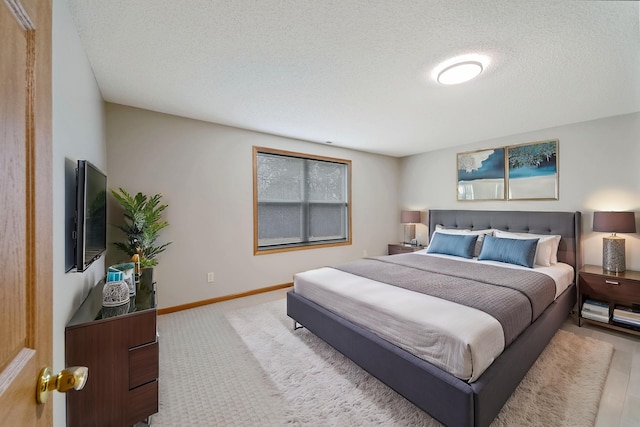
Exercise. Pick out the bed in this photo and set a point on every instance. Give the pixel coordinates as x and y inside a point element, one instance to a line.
<point>452,400</point>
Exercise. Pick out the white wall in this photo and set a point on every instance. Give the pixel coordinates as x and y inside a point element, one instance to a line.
<point>205,174</point>
<point>78,133</point>
<point>599,170</point>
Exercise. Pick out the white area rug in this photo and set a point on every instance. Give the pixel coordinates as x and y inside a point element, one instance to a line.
<point>322,387</point>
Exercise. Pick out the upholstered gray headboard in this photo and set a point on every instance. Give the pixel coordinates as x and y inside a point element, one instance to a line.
<point>566,224</point>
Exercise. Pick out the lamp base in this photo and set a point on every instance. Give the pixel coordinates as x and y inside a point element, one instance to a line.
<point>613,254</point>
<point>409,233</point>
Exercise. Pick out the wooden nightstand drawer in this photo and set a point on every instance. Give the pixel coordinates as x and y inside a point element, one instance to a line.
<point>618,292</point>
<point>610,287</point>
<point>394,249</point>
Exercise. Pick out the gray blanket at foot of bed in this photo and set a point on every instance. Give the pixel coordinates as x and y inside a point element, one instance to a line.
<point>514,297</point>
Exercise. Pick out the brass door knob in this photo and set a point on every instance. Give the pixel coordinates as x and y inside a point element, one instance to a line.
<point>70,378</point>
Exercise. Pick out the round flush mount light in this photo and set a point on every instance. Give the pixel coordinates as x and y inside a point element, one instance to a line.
<point>460,69</point>
<point>459,73</point>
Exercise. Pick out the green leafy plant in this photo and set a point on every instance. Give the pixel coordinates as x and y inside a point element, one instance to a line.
<point>142,225</point>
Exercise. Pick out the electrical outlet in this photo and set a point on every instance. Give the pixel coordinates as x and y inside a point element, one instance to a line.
<point>364,253</point>
<point>210,277</point>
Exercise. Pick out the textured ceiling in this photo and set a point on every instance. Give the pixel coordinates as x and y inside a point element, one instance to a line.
<point>357,73</point>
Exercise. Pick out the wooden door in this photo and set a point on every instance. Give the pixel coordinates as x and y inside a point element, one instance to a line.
<point>25,209</point>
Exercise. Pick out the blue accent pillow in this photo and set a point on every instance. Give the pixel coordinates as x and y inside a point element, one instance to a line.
<point>512,251</point>
<point>453,244</point>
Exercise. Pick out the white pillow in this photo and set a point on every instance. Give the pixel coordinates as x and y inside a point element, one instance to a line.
<point>547,251</point>
<point>554,252</point>
<point>479,233</point>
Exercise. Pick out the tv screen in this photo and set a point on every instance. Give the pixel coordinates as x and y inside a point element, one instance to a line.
<point>91,228</point>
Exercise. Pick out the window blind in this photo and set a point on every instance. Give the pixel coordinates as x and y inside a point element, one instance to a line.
<point>301,201</point>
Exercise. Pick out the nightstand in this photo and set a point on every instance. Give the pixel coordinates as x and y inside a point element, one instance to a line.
<point>400,248</point>
<point>616,289</point>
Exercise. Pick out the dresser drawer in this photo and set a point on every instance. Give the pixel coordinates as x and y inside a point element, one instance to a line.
<point>142,328</point>
<point>143,365</point>
<point>142,402</point>
<point>610,287</point>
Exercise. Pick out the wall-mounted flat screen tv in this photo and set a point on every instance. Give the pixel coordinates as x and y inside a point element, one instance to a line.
<point>91,211</point>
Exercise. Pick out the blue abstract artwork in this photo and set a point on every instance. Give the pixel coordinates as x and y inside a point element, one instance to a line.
<point>533,171</point>
<point>481,175</point>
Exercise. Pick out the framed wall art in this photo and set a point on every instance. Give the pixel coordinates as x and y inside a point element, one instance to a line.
<point>481,175</point>
<point>532,171</point>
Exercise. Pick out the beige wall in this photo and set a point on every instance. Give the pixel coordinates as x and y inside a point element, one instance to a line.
<point>78,133</point>
<point>204,172</point>
<point>598,171</point>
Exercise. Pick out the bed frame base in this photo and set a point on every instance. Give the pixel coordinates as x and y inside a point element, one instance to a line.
<point>450,400</point>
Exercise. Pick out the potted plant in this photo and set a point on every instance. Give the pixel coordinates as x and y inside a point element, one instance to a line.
<point>142,224</point>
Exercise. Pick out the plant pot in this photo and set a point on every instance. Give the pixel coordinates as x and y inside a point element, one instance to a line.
<point>145,287</point>
<point>146,278</point>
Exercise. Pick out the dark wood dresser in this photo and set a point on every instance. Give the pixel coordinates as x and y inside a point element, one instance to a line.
<point>120,348</point>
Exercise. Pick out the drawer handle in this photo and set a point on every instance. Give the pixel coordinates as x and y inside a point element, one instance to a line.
<point>611,282</point>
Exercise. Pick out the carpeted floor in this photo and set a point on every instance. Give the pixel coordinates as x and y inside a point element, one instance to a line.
<point>208,377</point>
<point>247,367</point>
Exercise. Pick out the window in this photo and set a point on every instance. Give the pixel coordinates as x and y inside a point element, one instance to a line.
<point>300,201</point>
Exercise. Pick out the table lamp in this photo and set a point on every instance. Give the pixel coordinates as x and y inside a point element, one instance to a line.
<point>409,219</point>
<point>613,254</point>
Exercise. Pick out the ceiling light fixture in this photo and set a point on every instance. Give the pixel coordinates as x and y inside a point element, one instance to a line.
<point>459,73</point>
<point>460,69</point>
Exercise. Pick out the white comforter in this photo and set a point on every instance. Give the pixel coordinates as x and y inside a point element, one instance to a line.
<point>458,339</point>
